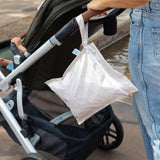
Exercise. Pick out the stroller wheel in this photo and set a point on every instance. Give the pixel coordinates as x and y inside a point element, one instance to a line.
<point>113,136</point>
<point>33,156</point>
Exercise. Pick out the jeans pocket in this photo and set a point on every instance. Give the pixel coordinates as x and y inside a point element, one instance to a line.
<point>156,41</point>
<point>135,19</point>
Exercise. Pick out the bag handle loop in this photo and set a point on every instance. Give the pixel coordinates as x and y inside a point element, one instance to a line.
<point>83,29</point>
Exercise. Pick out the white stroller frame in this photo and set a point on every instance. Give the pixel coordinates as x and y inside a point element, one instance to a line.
<point>5,108</point>
<point>5,86</point>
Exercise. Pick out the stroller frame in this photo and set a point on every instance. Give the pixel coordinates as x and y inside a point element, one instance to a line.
<point>5,108</point>
<point>5,85</point>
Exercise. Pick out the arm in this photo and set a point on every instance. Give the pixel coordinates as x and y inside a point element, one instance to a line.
<point>103,4</point>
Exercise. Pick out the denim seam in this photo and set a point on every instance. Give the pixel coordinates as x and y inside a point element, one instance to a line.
<point>157,56</point>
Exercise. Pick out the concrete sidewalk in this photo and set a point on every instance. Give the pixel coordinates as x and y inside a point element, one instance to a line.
<point>18,12</point>
<point>12,10</point>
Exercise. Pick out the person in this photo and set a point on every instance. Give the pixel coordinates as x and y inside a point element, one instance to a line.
<point>144,63</point>
<point>8,63</point>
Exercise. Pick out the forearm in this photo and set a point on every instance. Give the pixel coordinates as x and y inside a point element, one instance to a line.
<point>103,4</point>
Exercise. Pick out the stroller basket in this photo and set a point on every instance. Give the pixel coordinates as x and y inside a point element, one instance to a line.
<point>70,142</point>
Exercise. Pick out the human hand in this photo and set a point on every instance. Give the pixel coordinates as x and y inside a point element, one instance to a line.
<point>101,14</point>
<point>97,5</point>
<point>17,41</point>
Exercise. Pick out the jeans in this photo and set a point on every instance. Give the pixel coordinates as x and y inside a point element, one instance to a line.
<point>144,63</point>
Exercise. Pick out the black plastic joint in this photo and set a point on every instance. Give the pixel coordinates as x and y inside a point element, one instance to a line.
<point>67,30</point>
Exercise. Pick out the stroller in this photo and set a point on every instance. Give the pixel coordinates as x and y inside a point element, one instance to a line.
<point>28,126</point>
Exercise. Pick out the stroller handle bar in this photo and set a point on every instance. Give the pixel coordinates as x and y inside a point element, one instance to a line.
<point>90,13</point>
<point>71,27</point>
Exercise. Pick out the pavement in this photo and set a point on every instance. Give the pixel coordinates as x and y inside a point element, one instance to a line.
<point>12,10</point>
<point>131,148</point>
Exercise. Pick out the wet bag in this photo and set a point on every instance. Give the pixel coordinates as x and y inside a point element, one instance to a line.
<point>89,84</point>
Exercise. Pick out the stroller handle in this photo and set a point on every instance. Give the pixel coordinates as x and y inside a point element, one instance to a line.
<point>90,13</point>
<point>71,27</point>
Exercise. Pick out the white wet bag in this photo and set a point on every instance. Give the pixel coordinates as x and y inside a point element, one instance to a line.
<point>89,84</point>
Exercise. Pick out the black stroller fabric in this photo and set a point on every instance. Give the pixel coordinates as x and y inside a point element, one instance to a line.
<point>52,16</point>
<point>70,142</point>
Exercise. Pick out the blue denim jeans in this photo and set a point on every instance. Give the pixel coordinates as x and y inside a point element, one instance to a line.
<point>144,62</point>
